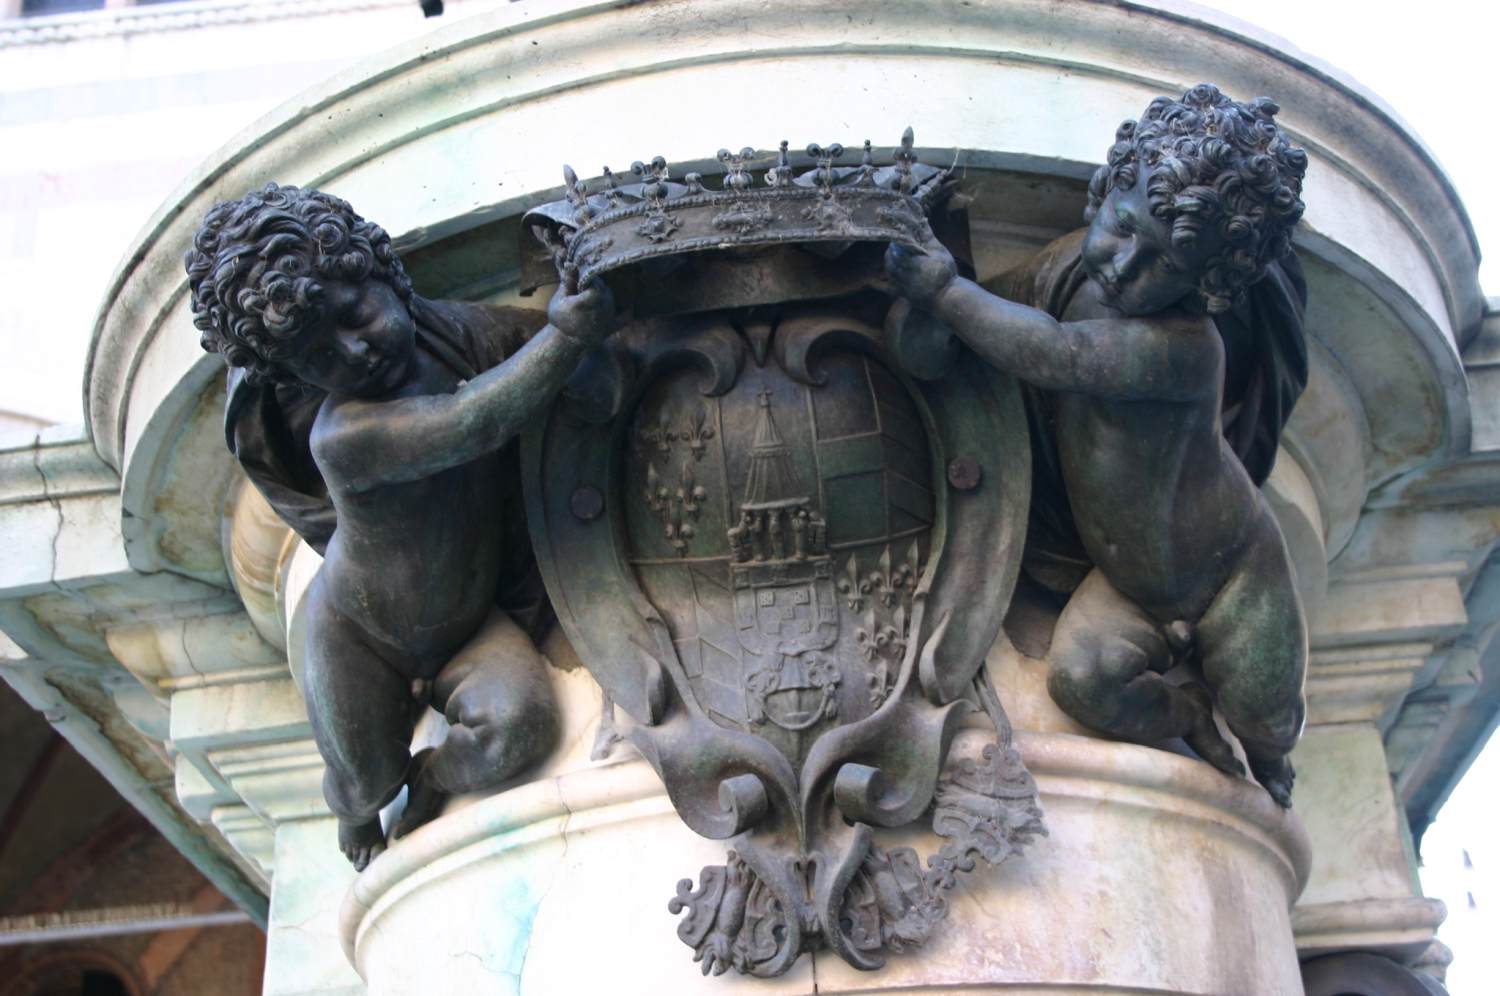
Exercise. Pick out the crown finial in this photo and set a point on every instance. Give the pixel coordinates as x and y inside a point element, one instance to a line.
<point>737,179</point>
<point>866,167</point>
<point>577,194</point>
<point>780,175</point>
<point>823,176</point>
<point>654,176</point>
<point>906,158</point>
<point>818,202</point>
<point>611,197</point>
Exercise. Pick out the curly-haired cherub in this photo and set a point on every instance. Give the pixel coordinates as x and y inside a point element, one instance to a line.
<point>1196,201</point>
<point>403,406</point>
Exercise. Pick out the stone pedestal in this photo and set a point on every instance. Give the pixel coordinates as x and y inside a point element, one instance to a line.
<point>1159,875</point>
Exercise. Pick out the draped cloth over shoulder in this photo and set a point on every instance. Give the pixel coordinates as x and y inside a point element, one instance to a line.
<point>1265,350</point>
<point>267,427</point>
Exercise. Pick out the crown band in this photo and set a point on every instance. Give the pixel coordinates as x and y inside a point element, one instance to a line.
<point>591,233</point>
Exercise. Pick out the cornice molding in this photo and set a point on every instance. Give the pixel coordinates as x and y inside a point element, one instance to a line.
<point>1390,218</point>
<point>52,465</point>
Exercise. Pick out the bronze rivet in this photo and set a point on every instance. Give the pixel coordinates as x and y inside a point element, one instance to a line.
<point>964,473</point>
<point>587,503</point>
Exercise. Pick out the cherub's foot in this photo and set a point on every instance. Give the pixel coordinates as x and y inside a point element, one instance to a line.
<point>360,842</point>
<point>424,799</point>
<point>1204,737</point>
<point>1277,775</point>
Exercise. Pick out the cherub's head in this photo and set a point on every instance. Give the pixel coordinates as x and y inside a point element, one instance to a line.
<point>1200,195</point>
<point>294,286</point>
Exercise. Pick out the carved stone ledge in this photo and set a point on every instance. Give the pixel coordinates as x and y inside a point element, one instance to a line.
<point>252,839</point>
<point>1398,928</point>
<point>280,781</point>
<point>236,746</point>
<point>219,647</point>
<point>1126,824</point>
<point>1361,685</point>
<point>59,515</point>
<point>56,463</point>
<point>1408,610</point>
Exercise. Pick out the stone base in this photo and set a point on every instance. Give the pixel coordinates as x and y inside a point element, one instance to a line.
<point>1160,876</point>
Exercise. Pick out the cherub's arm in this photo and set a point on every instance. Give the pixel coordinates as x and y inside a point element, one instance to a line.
<point>1122,358</point>
<point>407,439</point>
<point>1135,358</point>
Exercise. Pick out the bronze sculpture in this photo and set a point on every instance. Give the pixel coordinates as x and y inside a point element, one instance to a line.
<point>1196,202</point>
<point>402,407</point>
<point>778,512</point>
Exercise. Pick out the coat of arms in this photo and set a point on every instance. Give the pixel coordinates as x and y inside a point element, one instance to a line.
<point>791,519</point>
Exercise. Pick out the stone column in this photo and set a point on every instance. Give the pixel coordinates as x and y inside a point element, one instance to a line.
<point>1371,640</point>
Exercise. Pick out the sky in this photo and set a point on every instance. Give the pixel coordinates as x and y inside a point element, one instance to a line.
<point>1434,64</point>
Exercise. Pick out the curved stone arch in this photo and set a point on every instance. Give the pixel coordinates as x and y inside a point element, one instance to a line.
<point>53,966</point>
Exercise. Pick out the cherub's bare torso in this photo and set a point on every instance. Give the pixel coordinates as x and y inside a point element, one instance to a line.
<point>1161,503</point>
<point>414,564</point>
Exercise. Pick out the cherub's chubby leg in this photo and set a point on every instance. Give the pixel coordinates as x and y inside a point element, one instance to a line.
<point>362,715</point>
<point>1106,661</point>
<point>502,717</point>
<point>1253,645</point>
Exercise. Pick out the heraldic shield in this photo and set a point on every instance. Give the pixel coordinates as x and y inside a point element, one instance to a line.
<point>780,517</point>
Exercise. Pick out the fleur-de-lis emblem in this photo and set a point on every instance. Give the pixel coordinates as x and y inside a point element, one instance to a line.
<point>577,195</point>
<point>889,581</point>
<point>853,587</point>
<point>675,508</point>
<point>698,433</point>
<point>691,494</point>
<point>658,436</point>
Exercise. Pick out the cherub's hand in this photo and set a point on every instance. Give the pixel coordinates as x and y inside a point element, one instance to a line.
<point>920,275</point>
<point>587,315</point>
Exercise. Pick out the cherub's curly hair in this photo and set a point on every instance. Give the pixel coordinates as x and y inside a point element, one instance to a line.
<point>1212,160</point>
<point>255,265</point>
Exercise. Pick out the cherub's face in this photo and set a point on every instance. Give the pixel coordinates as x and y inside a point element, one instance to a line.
<point>1130,254</point>
<point>361,345</point>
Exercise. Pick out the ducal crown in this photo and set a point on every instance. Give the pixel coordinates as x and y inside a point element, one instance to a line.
<point>617,224</point>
